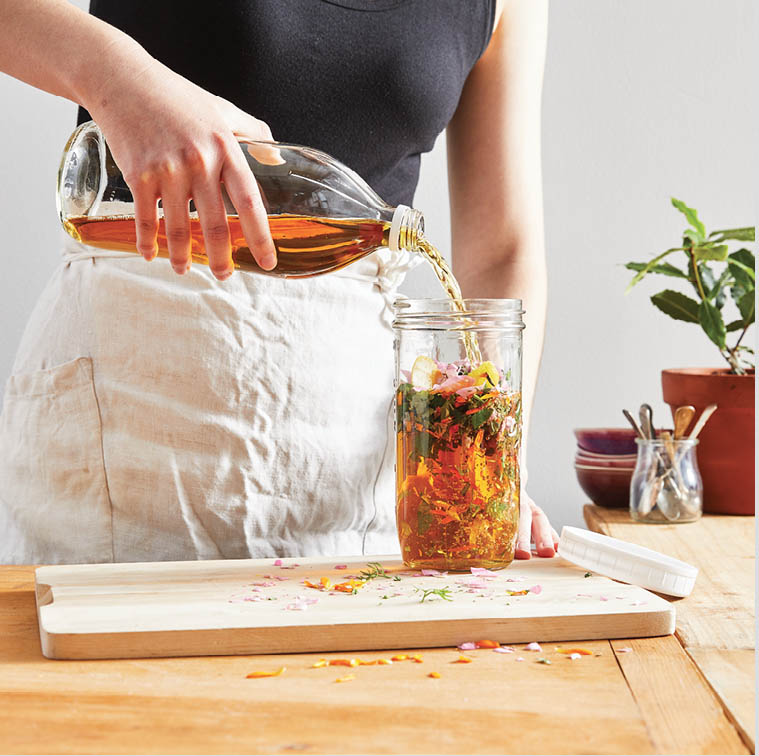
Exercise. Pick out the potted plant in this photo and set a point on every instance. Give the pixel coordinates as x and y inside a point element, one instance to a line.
<point>722,281</point>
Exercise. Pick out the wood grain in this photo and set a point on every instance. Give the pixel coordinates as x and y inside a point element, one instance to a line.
<point>661,683</point>
<point>248,606</point>
<point>715,623</point>
<point>719,612</point>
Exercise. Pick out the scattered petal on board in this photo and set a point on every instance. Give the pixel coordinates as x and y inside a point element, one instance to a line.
<point>625,650</point>
<point>536,589</point>
<point>259,673</point>
<point>533,647</point>
<point>468,646</point>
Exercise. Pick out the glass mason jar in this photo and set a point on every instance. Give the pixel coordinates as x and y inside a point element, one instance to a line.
<point>666,484</point>
<point>458,431</point>
<point>322,215</point>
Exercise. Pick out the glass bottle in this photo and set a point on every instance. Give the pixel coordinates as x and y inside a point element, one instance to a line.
<point>323,216</point>
<point>666,484</point>
<point>458,431</point>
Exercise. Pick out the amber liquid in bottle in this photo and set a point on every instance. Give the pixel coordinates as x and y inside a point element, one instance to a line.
<point>306,246</point>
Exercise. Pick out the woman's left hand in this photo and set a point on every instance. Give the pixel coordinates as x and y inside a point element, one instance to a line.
<point>534,526</point>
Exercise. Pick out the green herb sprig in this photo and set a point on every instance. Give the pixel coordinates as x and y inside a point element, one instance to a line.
<point>376,570</point>
<point>443,593</point>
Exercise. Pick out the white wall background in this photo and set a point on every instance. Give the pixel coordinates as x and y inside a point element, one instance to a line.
<point>643,100</point>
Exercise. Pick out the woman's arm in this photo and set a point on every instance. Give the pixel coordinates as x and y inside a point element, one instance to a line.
<point>171,139</point>
<point>494,172</point>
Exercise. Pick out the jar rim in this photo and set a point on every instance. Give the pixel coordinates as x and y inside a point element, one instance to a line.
<point>442,314</point>
<point>445,305</point>
<point>661,443</point>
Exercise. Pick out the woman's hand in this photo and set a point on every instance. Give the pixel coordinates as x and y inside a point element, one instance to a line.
<point>174,142</point>
<point>534,526</point>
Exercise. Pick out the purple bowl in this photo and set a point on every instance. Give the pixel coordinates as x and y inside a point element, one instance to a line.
<point>612,464</point>
<point>607,488</point>
<point>607,440</point>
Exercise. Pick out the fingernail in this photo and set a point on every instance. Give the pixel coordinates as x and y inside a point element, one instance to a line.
<point>268,262</point>
<point>226,274</point>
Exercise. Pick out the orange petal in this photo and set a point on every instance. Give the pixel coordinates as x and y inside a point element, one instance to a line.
<point>462,660</point>
<point>434,674</point>
<point>581,651</point>
<point>399,657</point>
<point>487,644</point>
<point>347,678</point>
<point>266,674</point>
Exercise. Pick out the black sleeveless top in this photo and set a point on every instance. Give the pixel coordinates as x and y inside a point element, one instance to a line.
<point>372,82</point>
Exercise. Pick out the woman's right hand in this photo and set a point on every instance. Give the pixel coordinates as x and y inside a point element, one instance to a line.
<point>174,142</point>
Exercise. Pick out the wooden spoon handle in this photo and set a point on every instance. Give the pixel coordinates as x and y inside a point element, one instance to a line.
<point>683,417</point>
<point>701,422</point>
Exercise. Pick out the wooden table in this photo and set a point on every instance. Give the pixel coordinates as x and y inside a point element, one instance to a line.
<point>715,624</point>
<point>684,694</point>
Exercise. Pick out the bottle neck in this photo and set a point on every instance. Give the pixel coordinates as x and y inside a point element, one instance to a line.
<point>406,229</point>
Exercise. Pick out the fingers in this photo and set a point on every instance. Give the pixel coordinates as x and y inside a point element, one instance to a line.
<point>524,531</point>
<point>177,223</point>
<point>146,219</point>
<point>534,526</point>
<point>246,197</point>
<point>213,221</point>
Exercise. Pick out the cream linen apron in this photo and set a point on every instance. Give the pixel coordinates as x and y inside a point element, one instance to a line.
<point>152,417</point>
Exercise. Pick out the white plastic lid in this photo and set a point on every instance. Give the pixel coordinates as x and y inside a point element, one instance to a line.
<point>393,241</point>
<point>627,562</point>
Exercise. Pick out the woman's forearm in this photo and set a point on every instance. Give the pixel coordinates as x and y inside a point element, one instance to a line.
<point>520,277</point>
<point>55,46</point>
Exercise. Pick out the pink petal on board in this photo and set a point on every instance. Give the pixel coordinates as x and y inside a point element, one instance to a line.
<point>625,650</point>
<point>277,563</point>
<point>468,646</point>
<point>574,657</point>
<point>341,566</point>
<point>481,571</point>
<point>584,595</point>
<point>536,589</point>
<point>434,573</point>
<point>519,658</point>
<point>533,647</point>
<point>504,650</point>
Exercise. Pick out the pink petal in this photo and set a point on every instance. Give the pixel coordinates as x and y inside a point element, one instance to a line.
<point>467,391</point>
<point>584,595</point>
<point>519,658</point>
<point>341,566</point>
<point>277,563</point>
<point>407,375</point>
<point>533,647</point>
<point>504,650</point>
<point>536,589</point>
<point>625,650</point>
<point>603,598</point>
<point>280,577</point>
<point>434,573</point>
<point>574,657</point>
<point>482,571</point>
<point>468,646</point>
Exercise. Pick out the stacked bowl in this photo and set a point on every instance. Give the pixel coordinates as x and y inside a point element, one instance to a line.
<point>604,464</point>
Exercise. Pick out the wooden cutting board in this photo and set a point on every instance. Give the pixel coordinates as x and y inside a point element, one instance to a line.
<point>260,606</point>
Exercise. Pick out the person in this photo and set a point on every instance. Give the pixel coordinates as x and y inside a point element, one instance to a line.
<point>153,417</point>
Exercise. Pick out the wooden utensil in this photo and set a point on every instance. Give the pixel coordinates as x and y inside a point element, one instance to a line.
<point>702,420</point>
<point>683,417</point>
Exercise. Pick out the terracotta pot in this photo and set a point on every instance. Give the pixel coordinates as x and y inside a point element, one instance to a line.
<point>726,449</point>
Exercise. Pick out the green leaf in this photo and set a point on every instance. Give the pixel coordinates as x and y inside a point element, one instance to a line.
<point>639,275</point>
<point>664,269</point>
<point>691,215</point>
<point>743,267</point>
<point>677,305</point>
<point>710,251</point>
<point>711,321</point>
<point>736,325</point>
<point>747,308</point>
<point>480,418</point>
<point>738,234</point>
<point>717,289</point>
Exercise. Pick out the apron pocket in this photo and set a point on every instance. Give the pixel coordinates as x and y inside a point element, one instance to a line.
<point>54,502</point>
